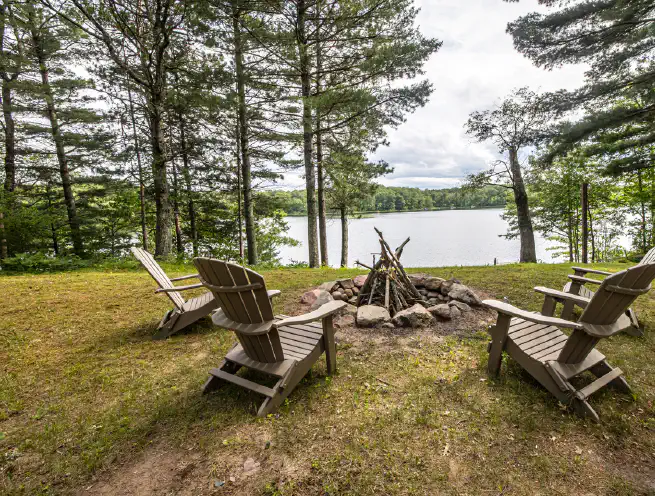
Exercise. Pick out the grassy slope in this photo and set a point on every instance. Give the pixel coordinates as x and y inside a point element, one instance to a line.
<point>83,391</point>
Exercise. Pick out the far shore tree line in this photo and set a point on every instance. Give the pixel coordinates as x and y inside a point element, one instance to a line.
<point>163,123</point>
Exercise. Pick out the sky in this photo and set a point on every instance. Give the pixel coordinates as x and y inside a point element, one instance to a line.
<point>474,69</point>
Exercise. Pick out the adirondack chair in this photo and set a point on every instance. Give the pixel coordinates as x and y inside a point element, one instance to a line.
<point>279,346</point>
<point>536,342</point>
<point>577,286</point>
<point>186,312</point>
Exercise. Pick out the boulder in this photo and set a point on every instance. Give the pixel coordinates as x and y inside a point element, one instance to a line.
<point>446,286</point>
<point>322,298</point>
<point>346,283</point>
<point>418,279</point>
<point>415,316</point>
<point>433,294</point>
<point>344,321</point>
<point>359,281</point>
<point>338,295</point>
<point>460,305</point>
<point>455,313</point>
<point>433,283</point>
<point>348,310</point>
<point>328,286</point>
<point>349,293</point>
<point>464,294</point>
<point>372,315</point>
<point>310,296</point>
<point>442,311</point>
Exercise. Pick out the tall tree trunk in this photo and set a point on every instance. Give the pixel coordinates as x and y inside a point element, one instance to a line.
<point>584,202</point>
<point>186,172</point>
<point>53,229</point>
<point>642,203</point>
<point>246,172</point>
<point>71,209</point>
<point>528,250</point>
<point>142,187</point>
<point>179,245</point>
<point>10,162</point>
<point>592,235</point>
<point>320,174</point>
<point>163,238</point>
<point>310,176</point>
<point>239,205</point>
<point>344,236</point>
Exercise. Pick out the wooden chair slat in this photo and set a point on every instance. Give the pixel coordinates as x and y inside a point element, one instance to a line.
<point>239,278</point>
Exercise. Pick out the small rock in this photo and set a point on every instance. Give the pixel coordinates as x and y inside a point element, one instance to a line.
<point>442,311</point>
<point>355,290</point>
<point>310,296</point>
<point>322,298</point>
<point>464,294</point>
<point>219,483</point>
<point>415,316</point>
<point>372,315</point>
<point>423,292</point>
<point>358,281</point>
<point>460,305</point>
<point>348,310</point>
<point>349,292</point>
<point>328,286</point>
<point>337,295</point>
<point>344,321</point>
<point>433,294</point>
<point>346,283</point>
<point>455,312</point>
<point>353,300</point>
<point>250,466</point>
<point>418,279</point>
<point>445,287</point>
<point>433,283</point>
<point>432,302</point>
<point>388,325</point>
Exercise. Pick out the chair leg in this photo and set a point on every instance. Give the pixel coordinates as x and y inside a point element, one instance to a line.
<point>170,326</point>
<point>584,409</point>
<point>284,387</point>
<point>619,383</point>
<point>330,345</point>
<point>636,329</point>
<point>497,344</point>
<point>213,383</point>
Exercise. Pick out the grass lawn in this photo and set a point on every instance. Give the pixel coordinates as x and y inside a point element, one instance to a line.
<point>89,404</point>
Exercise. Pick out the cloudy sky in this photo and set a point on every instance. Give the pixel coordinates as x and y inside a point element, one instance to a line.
<point>476,66</point>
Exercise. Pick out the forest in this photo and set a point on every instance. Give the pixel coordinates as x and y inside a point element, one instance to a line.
<point>396,199</point>
<point>169,124</point>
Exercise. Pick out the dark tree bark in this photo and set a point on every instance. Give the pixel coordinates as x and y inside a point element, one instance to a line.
<point>642,203</point>
<point>186,172</point>
<point>179,244</point>
<point>246,172</point>
<point>142,187</point>
<point>239,202</point>
<point>320,173</point>
<point>344,236</point>
<point>62,159</point>
<point>584,197</point>
<point>528,250</point>
<point>310,176</point>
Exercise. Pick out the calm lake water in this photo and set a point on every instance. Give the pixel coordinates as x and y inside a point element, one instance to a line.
<point>439,238</point>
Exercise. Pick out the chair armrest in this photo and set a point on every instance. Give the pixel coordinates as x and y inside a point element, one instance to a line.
<point>318,314</point>
<point>562,295</point>
<point>191,276</point>
<point>178,288</point>
<point>585,280</point>
<point>272,293</point>
<point>584,270</point>
<point>537,318</point>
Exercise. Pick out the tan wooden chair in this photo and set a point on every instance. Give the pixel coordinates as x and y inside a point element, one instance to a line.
<point>186,312</point>
<point>279,346</point>
<point>536,342</point>
<point>578,286</point>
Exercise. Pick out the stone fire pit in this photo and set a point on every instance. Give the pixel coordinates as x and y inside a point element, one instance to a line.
<point>441,300</point>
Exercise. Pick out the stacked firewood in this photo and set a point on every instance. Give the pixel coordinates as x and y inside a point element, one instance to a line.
<point>387,284</point>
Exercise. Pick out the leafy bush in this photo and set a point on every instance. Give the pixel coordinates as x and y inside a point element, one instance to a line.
<point>38,263</point>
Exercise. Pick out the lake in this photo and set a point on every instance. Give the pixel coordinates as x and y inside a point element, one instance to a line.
<point>438,238</point>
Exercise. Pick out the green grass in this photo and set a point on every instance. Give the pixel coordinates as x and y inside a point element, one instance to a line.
<point>88,400</point>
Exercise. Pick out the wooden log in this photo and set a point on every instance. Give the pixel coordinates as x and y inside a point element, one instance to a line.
<point>386,292</point>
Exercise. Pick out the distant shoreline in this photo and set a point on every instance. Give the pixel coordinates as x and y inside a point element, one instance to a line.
<point>369,212</point>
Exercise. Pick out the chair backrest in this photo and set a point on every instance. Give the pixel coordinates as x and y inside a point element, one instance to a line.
<point>648,257</point>
<point>150,264</point>
<point>244,303</point>
<point>609,303</point>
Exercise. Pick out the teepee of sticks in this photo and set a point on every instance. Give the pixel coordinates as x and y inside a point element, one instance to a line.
<point>387,284</point>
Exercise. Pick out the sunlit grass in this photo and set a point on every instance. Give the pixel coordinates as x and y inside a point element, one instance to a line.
<point>84,392</point>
